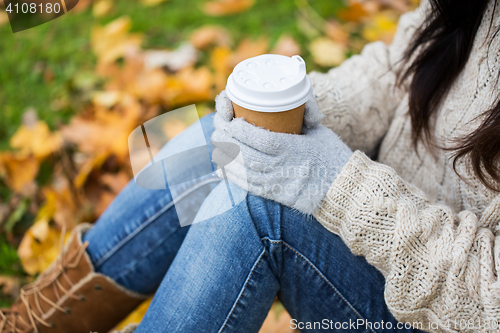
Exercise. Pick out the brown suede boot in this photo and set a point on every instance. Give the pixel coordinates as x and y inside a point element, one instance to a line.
<point>70,297</point>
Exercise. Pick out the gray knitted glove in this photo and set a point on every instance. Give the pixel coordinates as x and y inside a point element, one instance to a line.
<point>294,170</point>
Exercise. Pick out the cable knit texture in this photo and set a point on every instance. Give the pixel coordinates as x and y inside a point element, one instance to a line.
<point>434,236</point>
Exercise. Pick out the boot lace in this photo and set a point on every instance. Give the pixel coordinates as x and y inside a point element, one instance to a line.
<point>12,319</point>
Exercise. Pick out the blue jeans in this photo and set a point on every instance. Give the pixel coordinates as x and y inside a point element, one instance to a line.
<point>222,274</point>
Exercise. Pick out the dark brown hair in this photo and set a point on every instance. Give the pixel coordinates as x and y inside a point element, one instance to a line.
<point>443,45</point>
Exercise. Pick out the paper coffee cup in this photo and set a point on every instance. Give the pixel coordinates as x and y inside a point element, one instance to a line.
<point>270,91</point>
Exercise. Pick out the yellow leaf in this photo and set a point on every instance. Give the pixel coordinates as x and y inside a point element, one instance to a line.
<point>60,205</point>
<point>36,140</point>
<point>102,8</point>
<point>209,35</point>
<point>188,86</point>
<point>326,52</point>
<point>90,164</point>
<point>136,316</point>
<point>381,27</point>
<point>114,40</point>
<point>286,45</point>
<point>19,171</point>
<point>220,61</point>
<point>227,7</point>
<point>39,247</point>
<point>151,3</point>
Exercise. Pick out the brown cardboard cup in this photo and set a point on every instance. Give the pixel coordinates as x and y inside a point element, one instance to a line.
<point>289,121</point>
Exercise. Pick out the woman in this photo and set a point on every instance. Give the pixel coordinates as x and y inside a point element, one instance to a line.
<point>400,242</point>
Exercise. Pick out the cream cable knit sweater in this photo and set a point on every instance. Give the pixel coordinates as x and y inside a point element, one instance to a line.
<point>435,237</point>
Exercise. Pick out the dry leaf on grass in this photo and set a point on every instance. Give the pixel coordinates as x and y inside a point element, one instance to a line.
<point>220,61</point>
<point>209,35</point>
<point>106,130</point>
<point>149,86</point>
<point>326,52</point>
<point>226,7</point>
<point>18,171</point>
<point>113,40</point>
<point>286,46</point>
<point>189,85</point>
<point>36,140</point>
<point>39,246</point>
<point>60,205</point>
<point>248,48</point>
<point>102,8</point>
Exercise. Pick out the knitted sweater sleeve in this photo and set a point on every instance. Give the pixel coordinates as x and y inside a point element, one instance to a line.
<point>360,96</point>
<point>441,267</point>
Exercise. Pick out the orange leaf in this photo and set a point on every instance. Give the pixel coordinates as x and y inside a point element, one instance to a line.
<point>337,32</point>
<point>287,46</point>
<point>249,48</point>
<point>107,130</point>
<point>189,85</point>
<point>227,7</point>
<point>208,35</point>
<point>354,12</point>
<point>19,171</point>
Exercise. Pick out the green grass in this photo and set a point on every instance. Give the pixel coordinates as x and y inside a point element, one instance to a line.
<point>62,47</point>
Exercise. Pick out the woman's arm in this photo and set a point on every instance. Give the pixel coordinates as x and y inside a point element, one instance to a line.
<point>441,267</point>
<point>360,96</point>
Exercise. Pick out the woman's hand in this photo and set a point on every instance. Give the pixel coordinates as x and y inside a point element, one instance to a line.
<point>294,170</point>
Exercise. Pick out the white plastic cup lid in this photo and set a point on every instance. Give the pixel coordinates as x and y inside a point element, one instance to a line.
<point>269,83</point>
